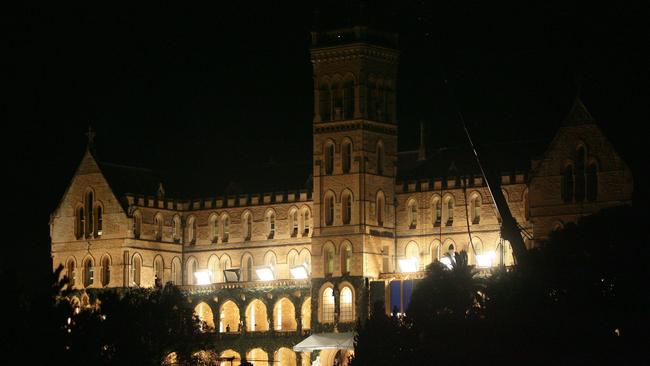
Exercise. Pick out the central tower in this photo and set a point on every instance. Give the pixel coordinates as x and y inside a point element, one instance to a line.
<point>355,146</point>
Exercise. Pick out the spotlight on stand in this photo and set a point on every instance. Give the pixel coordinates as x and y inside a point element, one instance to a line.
<point>265,273</point>
<point>299,272</point>
<point>231,275</point>
<point>408,265</point>
<point>202,277</point>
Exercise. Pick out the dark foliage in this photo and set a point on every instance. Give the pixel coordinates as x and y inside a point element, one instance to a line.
<point>581,299</point>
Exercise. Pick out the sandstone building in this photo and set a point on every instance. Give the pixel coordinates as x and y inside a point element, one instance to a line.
<point>285,264</point>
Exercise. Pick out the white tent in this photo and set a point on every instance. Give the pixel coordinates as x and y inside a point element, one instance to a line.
<point>326,341</point>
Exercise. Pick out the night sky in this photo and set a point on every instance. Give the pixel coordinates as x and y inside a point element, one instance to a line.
<point>201,91</point>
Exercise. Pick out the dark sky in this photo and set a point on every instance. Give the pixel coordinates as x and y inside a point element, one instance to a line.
<point>199,90</point>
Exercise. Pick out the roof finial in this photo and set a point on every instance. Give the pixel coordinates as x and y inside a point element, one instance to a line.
<point>91,138</point>
<point>422,151</point>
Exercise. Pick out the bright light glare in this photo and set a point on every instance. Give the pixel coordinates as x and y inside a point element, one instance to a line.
<point>202,277</point>
<point>484,260</point>
<point>408,265</point>
<point>299,272</point>
<point>446,261</point>
<point>265,274</point>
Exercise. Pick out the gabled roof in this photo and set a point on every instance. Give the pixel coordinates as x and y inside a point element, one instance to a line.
<point>578,114</point>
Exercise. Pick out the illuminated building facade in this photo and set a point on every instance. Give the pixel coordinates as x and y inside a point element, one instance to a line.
<point>270,268</point>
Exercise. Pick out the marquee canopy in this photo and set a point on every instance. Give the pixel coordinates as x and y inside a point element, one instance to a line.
<point>326,341</point>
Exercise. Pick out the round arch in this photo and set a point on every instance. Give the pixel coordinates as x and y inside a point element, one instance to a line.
<point>347,302</point>
<point>256,316</point>
<point>326,303</point>
<point>285,357</point>
<point>204,312</point>
<point>229,318</point>
<point>284,315</point>
<point>229,354</point>
<point>305,312</point>
<point>257,357</point>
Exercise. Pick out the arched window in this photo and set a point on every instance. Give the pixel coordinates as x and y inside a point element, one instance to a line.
<point>346,202</point>
<point>348,99</point>
<point>346,259</point>
<point>137,224</point>
<point>214,228</point>
<point>435,250</point>
<point>380,158</point>
<point>80,223</point>
<point>99,217</point>
<point>436,209</point>
<point>136,270</point>
<point>306,222</point>
<point>346,156</point>
<point>176,272</point>
<point>106,271</point>
<point>247,226</point>
<point>476,209</point>
<point>213,267</point>
<point>88,273</point>
<point>337,91</point>
<point>328,259</point>
<point>293,217</point>
<point>371,97</point>
<point>158,269</point>
<point>325,102</point>
<point>592,182</point>
<point>176,229</point>
<point>89,212</point>
<point>327,306</point>
<point>412,252</point>
<point>579,189</point>
<point>305,259</point>
<point>347,305</point>
<point>192,268</point>
<point>329,209</point>
<point>329,158</point>
<point>380,208</point>
<point>158,223</point>
<point>567,184</point>
<point>271,224</point>
<point>413,214</point>
<point>191,230</point>
<point>70,272</point>
<point>225,221</point>
<point>247,268</point>
<point>450,211</point>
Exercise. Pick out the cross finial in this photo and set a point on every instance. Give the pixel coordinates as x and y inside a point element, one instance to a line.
<point>91,136</point>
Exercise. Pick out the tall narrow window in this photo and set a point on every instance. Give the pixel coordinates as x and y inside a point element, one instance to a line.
<point>329,210</point>
<point>158,268</point>
<point>476,209</point>
<point>158,222</point>
<point>137,224</point>
<point>346,259</point>
<point>271,218</point>
<point>347,207</point>
<point>177,278</point>
<point>70,272</point>
<point>337,91</point>
<point>346,156</point>
<point>437,212</point>
<point>348,95</point>
<point>191,231</point>
<point>580,175</point>
<point>346,305</point>
<point>592,182</point>
<point>88,272</point>
<point>214,229</point>
<point>249,269</point>
<point>248,227</point>
<point>137,270</point>
<point>328,305</point>
<point>329,261</point>
<point>176,229</point>
<point>192,269</point>
<point>89,213</point>
<point>380,159</point>
<point>413,214</point>
<point>380,208</point>
<point>106,271</point>
<point>294,223</point>
<point>567,184</point>
<point>450,212</point>
<point>99,216</point>
<point>226,228</point>
<point>329,158</point>
<point>325,102</point>
<point>80,223</point>
<point>306,223</point>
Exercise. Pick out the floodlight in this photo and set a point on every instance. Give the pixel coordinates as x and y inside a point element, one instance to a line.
<point>408,265</point>
<point>202,277</point>
<point>299,272</point>
<point>446,261</point>
<point>484,260</point>
<point>265,273</point>
<point>231,275</point>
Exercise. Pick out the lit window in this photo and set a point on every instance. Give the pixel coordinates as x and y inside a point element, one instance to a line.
<point>88,273</point>
<point>346,305</point>
<point>271,217</point>
<point>327,304</point>
<point>347,207</point>
<point>329,261</point>
<point>346,259</point>
<point>413,214</point>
